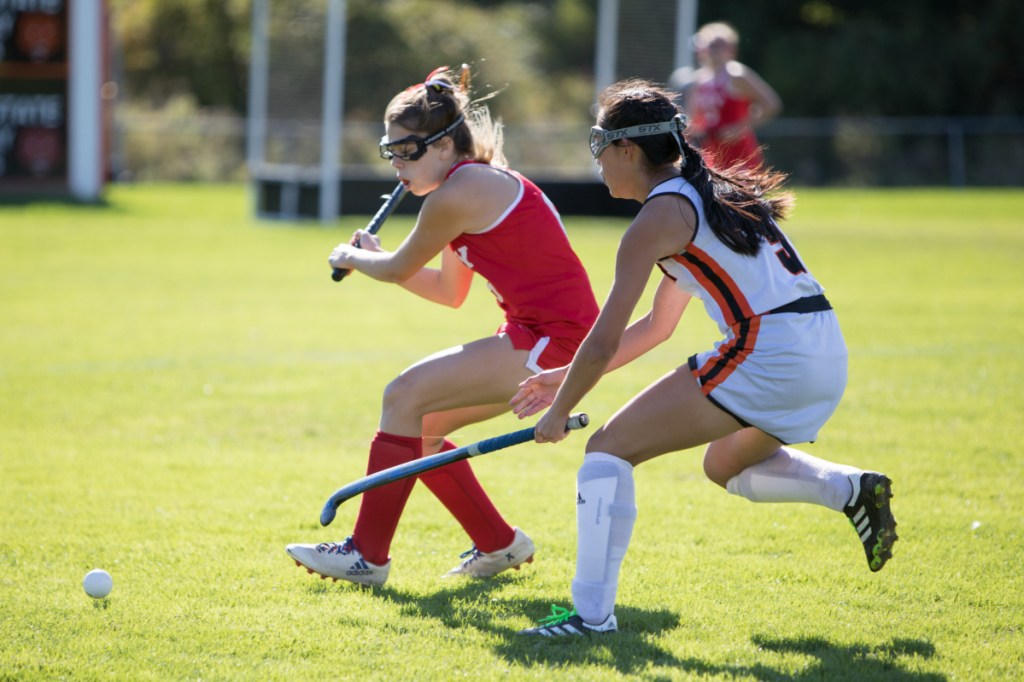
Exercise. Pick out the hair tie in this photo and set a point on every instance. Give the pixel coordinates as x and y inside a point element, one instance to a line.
<point>432,80</point>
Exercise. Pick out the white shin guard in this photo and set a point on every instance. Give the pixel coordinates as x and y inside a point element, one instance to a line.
<point>791,475</point>
<point>605,512</point>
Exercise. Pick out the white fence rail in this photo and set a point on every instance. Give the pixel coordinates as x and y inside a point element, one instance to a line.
<point>953,151</point>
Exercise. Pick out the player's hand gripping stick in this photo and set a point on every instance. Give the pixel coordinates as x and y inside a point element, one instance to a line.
<point>386,209</point>
<point>424,464</point>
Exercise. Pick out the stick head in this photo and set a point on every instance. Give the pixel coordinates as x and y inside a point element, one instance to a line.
<point>328,513</point>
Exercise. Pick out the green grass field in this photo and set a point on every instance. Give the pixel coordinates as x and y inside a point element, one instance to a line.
<point>182,387</point>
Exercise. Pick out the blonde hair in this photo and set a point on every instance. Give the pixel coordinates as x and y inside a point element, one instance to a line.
<point>716,29</point>
<point>436,103</point>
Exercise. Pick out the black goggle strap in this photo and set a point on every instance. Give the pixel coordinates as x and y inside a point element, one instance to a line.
<point>421,142</point>
<point>447,131</point>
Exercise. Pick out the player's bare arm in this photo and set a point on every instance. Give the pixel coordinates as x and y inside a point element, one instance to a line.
<point>658,231</point>
<point>765,103</point>
<point>436,226</point>
<point>448,285</point>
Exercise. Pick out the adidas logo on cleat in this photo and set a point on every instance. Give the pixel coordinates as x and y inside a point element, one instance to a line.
<point>861,523</point>
<point>566,623</point>
<point>871,517</point>
<point>339,561</point>
<point>359,568</point>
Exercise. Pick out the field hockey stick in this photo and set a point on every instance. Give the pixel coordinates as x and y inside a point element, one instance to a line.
<point>382,214</point>
<point>424,464</point>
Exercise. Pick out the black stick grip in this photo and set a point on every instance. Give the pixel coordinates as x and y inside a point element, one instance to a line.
<point>382,214</point>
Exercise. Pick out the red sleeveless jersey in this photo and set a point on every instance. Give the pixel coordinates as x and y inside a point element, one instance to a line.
<point>530,266</point>
<point>716,108</point>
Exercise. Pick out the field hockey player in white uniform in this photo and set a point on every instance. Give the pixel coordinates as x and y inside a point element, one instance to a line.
<point>773,380</point>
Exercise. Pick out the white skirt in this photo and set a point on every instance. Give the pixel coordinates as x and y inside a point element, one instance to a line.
<point>782,373</point>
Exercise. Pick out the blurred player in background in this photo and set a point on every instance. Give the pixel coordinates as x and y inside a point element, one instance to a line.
<point>726,100</point>
<point>480,217</point>
<point>774,379</point>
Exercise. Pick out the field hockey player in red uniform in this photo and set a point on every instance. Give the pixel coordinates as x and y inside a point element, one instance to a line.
<point>481,217</point>
<point>774,379</point>
<point>727,100</point>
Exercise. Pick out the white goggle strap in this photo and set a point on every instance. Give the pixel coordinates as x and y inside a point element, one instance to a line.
<point>679,122</point>
<point>675,126</point>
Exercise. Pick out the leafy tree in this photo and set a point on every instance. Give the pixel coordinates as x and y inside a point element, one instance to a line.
<point>825,57</point>
<point>194,47</point>
<point>875,57</point>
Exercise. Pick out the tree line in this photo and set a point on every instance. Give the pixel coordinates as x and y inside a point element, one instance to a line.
<point>825,58</point>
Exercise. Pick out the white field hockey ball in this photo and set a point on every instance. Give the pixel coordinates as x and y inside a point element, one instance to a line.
<point>98,583</point>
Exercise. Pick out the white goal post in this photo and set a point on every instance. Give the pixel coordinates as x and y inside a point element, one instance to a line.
<point>636,38</point>
<point>297,84</point>
<point>290,140</point>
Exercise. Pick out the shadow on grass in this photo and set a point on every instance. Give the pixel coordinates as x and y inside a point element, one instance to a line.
<point>860,661</point>
<point>632,651</point>
<point>473,604</point>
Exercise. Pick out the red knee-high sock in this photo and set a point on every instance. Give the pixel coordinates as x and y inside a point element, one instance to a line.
<point>459,490</point>
<point>381,507</point>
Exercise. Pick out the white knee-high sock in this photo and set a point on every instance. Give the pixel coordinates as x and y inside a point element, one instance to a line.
<point>605,513</point>
<point>791,475</point>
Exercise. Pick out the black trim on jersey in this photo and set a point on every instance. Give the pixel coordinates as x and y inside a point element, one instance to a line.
<point>663,270</point>
<point>692,362</point>
<point>696,213</point>
<point>722,363</point>
<point>807,304</point>
<point>726,293</point>
<point>732,414</point>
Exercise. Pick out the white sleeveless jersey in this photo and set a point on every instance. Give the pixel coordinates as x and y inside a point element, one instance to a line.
<point>781,365</point>
<point>732,286</point>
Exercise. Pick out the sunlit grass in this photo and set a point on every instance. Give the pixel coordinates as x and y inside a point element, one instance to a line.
<point>182,387</point>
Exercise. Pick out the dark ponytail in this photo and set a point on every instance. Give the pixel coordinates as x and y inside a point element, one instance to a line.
<point>741,205</point>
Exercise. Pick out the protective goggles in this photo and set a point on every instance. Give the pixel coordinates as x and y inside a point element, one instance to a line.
<point>413,147</point>
<point>601,138</point>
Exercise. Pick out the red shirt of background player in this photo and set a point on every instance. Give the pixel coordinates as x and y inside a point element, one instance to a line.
<point>726,100</point>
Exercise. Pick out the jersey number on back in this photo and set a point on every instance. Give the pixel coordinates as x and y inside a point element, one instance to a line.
<point>787,256</point>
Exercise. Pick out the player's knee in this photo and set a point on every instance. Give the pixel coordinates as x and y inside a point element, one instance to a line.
<point>714,468</point>
<point>432,444</point>
<point>401,396</point>
<point>603,440</point>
